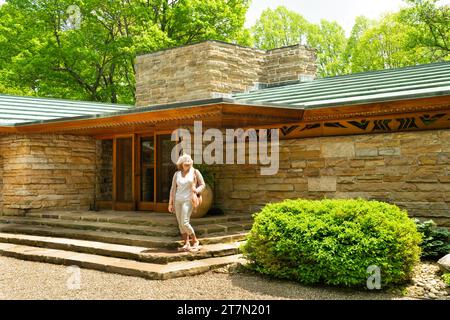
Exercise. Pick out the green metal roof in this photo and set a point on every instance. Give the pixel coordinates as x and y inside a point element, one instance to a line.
<point>17,109</point>
<point>426,80</point>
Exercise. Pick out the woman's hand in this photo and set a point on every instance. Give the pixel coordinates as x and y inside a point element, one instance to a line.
<point>171,208</point>
<point>194,189</point>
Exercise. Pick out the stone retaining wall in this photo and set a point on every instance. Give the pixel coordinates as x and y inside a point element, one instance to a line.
<point>410,169</point>
<point>47,172</point>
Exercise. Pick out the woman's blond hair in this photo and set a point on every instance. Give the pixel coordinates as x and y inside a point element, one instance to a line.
<point>182,159</point>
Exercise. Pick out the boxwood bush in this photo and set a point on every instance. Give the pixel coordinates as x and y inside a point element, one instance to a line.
<point>333,242</point>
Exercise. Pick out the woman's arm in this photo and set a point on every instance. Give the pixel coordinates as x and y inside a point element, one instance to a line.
<point>173,189</point>
<point>200,182</point>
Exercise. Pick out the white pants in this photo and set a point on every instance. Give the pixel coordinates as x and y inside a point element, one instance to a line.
<point>183,211</point>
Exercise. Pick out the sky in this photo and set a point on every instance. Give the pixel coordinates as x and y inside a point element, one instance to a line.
<point>342,11</point>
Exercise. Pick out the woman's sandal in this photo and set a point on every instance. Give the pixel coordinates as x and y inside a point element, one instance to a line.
<point>186,247</point>
<point>195,247</point>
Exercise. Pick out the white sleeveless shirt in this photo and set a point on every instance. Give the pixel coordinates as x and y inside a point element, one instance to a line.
<point>184,186</point>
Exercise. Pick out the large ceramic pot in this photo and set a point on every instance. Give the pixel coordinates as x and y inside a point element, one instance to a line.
<point>207,201</point>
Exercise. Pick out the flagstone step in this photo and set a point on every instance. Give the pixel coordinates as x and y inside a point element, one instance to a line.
<point>144,254</point>
<point>133,218</point>
<point>117,265</point>
<point>116,237</point>
<point>123,228</point>
<point>92,225</point>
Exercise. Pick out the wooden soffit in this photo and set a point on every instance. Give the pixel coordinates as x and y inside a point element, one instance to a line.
<point>218,115</point>
<point>405,115</point>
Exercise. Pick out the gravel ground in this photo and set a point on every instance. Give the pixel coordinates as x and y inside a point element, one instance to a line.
<point>34,280</point>
<point>428,283</point>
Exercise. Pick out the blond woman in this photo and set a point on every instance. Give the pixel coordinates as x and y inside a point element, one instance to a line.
<point>186,182</point>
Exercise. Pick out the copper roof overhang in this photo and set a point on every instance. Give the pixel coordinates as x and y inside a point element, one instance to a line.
<point>222,112</point>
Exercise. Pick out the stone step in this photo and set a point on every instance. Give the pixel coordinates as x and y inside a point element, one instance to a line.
<point>117,265</point>
<point>93,225</point>
<point>134,218</point>
<point>122,228</point>
<point>144,254</point>
<point>116,237</point>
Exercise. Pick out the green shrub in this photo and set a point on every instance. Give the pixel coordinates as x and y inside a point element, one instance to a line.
<point>333,241</point>
<point>435,243</point>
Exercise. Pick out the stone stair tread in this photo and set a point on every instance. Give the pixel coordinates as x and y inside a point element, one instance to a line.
<point>136,218</point>
<point>135,252</point>
<point>114,237</point>
<point>74,242</point>
<point>163,230</point>
<point>73,232</point>
<point>136,229</point>
<point>117,265</point>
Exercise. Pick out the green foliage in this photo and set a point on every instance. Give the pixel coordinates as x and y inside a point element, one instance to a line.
<point>283,27</point>
<point>41,53</point>
<point>279,28</point>
<point>383,45</point>
<point>333,241</point>
<point>446,277</point>
<point>207,174</point>
<point>329,40</point>
<point>429,28</point>
<point>436,241</point>
<point>417,34</point>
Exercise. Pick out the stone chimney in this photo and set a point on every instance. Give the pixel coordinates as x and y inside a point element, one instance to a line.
<point>212,69</point>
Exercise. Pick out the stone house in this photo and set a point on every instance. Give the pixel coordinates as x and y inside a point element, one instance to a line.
<point>378,135</point>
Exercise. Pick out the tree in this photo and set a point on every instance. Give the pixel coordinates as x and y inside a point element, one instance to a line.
<point>278,28</point>
<point>85,49</point>
<point>417,34</point>
<point>330,41</point>
<point>430,28</point>
<point>384,45</point>
<point>283,27</point>
<point>362,24</point>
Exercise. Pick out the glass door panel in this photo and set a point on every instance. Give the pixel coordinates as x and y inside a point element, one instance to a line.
<point>124,170</point>
<point>165,167</point>
<point>147,165</point>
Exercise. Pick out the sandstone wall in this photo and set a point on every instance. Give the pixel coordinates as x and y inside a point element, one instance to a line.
<point>286,64</point>
<point>104,169</point>
<point>409,169</point>
<point>211,69</point>
<point>47,172</point>
<point>1,175</point>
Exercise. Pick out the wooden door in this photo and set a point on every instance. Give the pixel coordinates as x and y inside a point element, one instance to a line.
<point>145,172</point>
<point>123,178</point>
<point>165,170</point>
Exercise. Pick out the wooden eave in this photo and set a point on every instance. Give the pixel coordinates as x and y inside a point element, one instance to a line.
<point>234,115</point>
<point>220,115</point>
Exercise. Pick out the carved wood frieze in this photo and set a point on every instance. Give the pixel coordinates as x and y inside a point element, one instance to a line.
<point>389,123</point>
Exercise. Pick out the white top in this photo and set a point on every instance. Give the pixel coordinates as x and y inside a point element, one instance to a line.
<point>182,186</point>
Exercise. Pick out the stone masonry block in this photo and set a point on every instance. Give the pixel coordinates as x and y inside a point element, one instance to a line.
<point>322,184</point>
